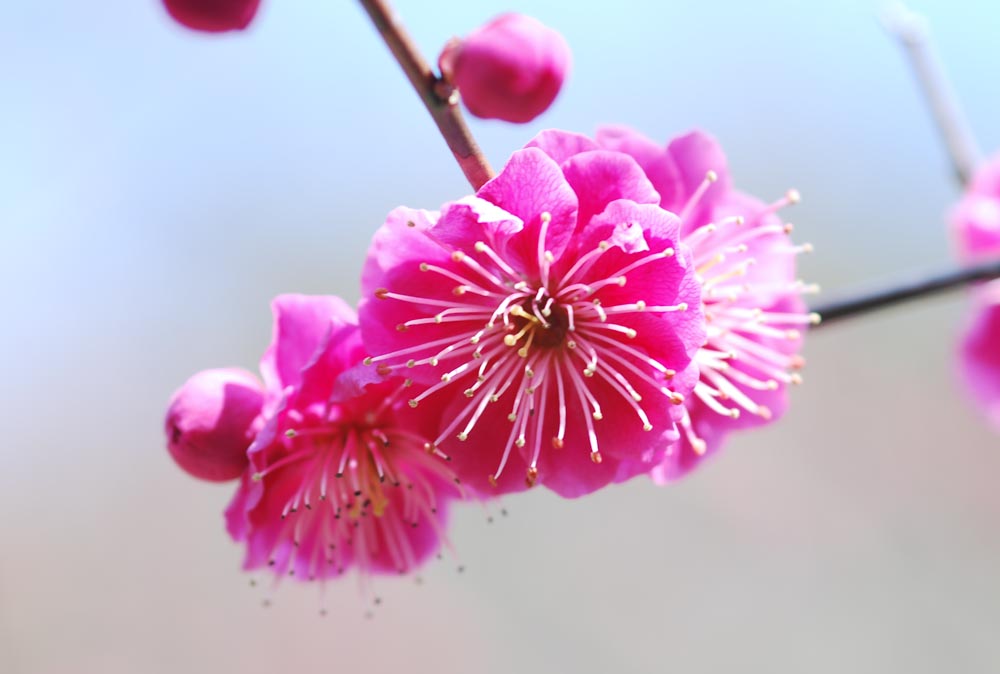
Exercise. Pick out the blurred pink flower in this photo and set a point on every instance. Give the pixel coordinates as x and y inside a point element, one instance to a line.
<point>511,69</point>
<point>556,314</point>
<point>339,473</point>
<point>975,224</point>
<point>211,422</point>
<point>980,351</point>
<point>753,307</point>
<point>975,219</point>
<point>213,16</point>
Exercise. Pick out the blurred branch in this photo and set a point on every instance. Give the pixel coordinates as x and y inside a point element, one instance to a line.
<point>911,30</point>
<point>440,99</point>
<point>881,298</point>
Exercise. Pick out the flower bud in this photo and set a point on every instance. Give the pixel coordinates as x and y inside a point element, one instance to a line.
<point>511,69</point>
<point>210,420</point>
<point>213,16</point>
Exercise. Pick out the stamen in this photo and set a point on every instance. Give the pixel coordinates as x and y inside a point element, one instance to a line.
<point>692,202</point>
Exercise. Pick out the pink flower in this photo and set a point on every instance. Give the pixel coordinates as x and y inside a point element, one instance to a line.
<point>555,313</point>
<point>975,220</point>
<point>980,351</point>
<point>746,263</point>
<point>339,473</point>
<point>211,422</point>
<point>213,16</point>
<point>975,223</point>
<point>511,69</point>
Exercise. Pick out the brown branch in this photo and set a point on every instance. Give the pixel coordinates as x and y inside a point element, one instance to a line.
<point>921,286</point>
<point>440,99</point>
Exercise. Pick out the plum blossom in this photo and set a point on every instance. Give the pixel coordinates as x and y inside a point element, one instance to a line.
<point>975,226</point>
<point>338,473</point>
<point>746,264</point>
<point>555,313</point>
<point>511,69</point>
<point>213,16</point>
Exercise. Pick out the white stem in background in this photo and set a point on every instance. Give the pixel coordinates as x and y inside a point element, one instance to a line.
<point>911,29</point>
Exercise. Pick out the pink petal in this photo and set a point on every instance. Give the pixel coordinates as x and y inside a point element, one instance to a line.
<point>531,184</point>
<point>656,163</point>
<point>561,145</point>
<point>302,324</point>
<point>600,177</point>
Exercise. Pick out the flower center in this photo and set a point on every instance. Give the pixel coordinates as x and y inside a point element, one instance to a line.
<point>352,489</point>
<point>538,320</point>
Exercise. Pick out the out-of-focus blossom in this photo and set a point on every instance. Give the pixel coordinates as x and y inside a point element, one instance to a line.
<point>975,224</point>
<point>555,312</point>
<point>211,422</point>
<point>213,16</point>
<point>746,263</point>
<point>511,69</point>
<point>975,219</point>
<point>980,351</point>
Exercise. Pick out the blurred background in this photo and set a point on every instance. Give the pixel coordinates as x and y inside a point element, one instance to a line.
<point>158,187</point>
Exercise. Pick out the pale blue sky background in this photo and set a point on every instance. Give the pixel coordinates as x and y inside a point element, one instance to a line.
<point>158,187</point>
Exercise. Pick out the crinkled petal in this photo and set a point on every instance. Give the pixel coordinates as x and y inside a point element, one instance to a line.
<point>651,156</point>
<point>467,221</point>
<point>302,324</point>
<point>531,184</point>
<point>600,177</point>
<point>561,145</point>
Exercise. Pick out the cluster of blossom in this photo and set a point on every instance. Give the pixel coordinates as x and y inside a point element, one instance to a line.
<point>603,308</point>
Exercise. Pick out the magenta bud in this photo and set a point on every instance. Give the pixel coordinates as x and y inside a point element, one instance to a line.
<point>213,16</point>
<point>210,423</point>
<point>511,69</point>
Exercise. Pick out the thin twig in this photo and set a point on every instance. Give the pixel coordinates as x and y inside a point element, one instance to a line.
<point>912,32</point>
<point>907,290</point>
<point>438,97</point>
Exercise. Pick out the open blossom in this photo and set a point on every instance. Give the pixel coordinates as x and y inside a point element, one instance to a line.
<point>555,313</point>
<point>213,16</point>
<point>745,261</point>
<point>511,69</point>
<point>338,473</point>
<point>975,223</point>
